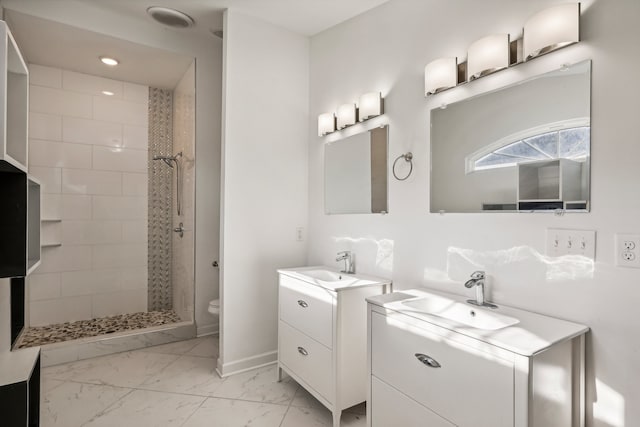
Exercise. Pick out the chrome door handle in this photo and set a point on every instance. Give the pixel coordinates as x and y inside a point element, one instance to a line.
<point>427,360</point>
<point>302,351</point>
<point>303,303</point>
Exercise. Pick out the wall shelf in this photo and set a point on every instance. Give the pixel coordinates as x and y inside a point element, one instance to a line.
<point>33,224</point>
<point>51,245</point>
<point>14,112</point>
<point>20,387</point>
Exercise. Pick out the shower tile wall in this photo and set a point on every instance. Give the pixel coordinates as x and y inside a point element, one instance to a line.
<point>183,274</point>
<point>161,203</point>
<point>89,151</point>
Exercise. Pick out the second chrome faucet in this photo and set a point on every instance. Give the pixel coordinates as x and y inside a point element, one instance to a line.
<point>349,264</point>
<point>477,281</point>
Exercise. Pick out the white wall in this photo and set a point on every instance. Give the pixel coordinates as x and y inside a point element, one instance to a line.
<point>89,151</point>
<point>386,49</point>
<point>208,54</point>
<point>264,189</point>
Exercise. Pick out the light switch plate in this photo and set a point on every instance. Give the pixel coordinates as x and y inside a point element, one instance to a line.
<point>628,250</point>
<point>571,242</point>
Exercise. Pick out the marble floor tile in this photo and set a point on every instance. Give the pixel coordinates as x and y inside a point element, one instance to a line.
<point>187,374</point>
<point>128,369</point>
<point>236,413</point>
<point>47,384</point>
<point>305,399</point>
<point>72,404</point>
<point>207,347</point>
<point>178,347</point>
<point>148,408</point>
<point>258,385</point>
<point>319,417</point>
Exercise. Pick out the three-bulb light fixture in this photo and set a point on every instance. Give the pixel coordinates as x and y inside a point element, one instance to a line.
<point>549,30</point>
<point>369,105</point>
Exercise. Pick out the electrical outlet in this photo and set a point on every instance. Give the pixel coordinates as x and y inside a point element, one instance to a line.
<point>571,242</point>
<point>299,234</point>
<point>628,250</point>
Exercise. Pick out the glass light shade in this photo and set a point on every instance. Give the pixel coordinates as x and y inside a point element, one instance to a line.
<point>440,74</point>
<point>346,115</point>
<point>370,105</point>
<point>326,123</point>
<point>551,29</point>
<point>487,55</point>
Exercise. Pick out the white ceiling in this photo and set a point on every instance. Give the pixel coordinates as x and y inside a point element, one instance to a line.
<point>305,17</point>
<point>58,45</point>
<point>44,39</point>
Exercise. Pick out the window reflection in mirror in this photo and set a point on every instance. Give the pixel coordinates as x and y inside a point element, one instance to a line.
<point>355,173</point>
<point>525,147</point>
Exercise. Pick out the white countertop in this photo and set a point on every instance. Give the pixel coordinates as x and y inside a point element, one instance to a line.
<point>347,281</point>
<point>532,334</point>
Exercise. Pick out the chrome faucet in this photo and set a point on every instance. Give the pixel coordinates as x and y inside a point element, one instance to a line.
<point>349,264</point>
<point>477,280</point>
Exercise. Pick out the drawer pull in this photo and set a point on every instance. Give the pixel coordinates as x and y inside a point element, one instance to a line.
<point>303,303</point>
<point>302,351</point>
<point>429,361</point>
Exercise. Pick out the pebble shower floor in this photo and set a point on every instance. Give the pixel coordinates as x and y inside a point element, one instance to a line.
<point>40,335</point>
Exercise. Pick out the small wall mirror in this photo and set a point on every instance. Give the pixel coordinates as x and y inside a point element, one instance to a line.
<point>521,148</point>
<point>355,173</point>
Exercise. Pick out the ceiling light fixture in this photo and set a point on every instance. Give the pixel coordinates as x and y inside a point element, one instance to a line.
<point>112,62</point>
<point>108,93</point>
<point>170,17</point>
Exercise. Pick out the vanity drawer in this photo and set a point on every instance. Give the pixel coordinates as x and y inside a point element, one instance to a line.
<point>308,308</point>
<point>465,385</point>
<point>389,407</point>
<point>308,359</point>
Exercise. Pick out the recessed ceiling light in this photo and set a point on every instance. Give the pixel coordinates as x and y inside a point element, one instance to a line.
<point>108,93</point>
<point>112,62</point>
<point>170,17</point>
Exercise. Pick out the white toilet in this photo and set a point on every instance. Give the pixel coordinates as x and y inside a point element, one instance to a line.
<point>214,307</point>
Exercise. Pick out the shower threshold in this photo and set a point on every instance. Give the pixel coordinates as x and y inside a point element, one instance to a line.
<point>103,326</point>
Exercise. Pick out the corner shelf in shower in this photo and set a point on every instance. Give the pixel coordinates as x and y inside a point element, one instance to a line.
<point>51,233</point>
<point>51,245</point>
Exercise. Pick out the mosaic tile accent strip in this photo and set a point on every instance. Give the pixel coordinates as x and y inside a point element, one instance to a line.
<point>160,295</point>
<point>41,335</point>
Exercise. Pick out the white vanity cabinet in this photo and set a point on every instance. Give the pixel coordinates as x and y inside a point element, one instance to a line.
<point>426,371</point>
<point>322,333</point>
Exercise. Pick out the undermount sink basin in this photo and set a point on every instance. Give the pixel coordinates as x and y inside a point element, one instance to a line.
<point>476,317</point>
<point>327,275</point>
<point>332,279</point>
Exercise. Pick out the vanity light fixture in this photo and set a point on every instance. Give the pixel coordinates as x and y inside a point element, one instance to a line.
<point>347,115</point>
<point>326,123</point>
<point>370,105</point>
<point>551,29</point>
<point>487,55</point>
<point>106,60</point>
<point>108,93</point>
<point>440,75</point>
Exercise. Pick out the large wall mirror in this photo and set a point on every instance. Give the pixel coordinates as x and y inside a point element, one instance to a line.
<point>355,173</point>
<point>525,147</point>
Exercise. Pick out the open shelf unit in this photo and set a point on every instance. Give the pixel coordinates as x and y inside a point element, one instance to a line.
<point>14,108</point>
<point>33,224</point>
<point>549,185</point>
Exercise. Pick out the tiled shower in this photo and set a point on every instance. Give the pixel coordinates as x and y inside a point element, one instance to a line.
<point>90,146</point>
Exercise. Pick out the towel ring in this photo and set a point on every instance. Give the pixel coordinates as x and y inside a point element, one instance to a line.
<point>408,157</point>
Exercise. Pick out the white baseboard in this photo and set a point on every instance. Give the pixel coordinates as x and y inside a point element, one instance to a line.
<point>242,365</point>
<point>210,329</point>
